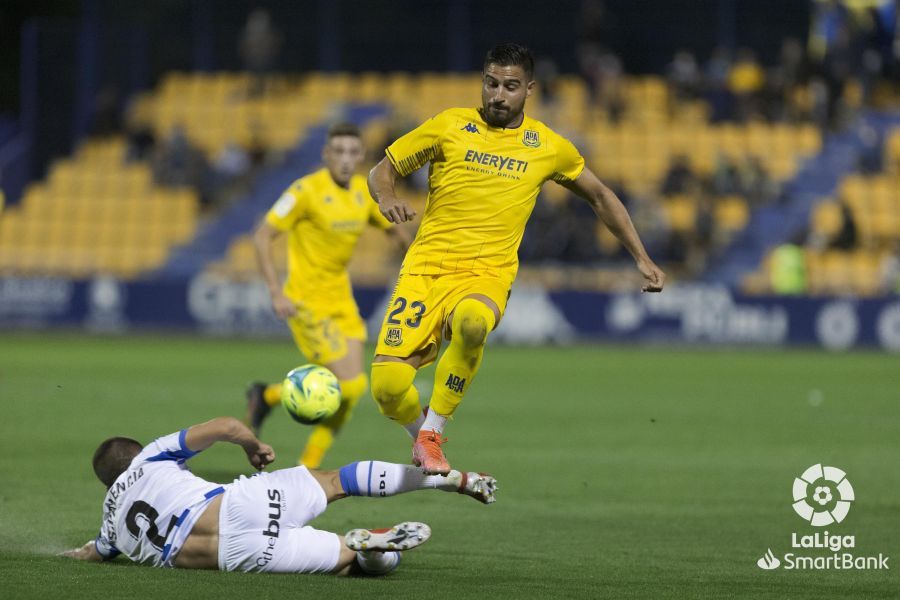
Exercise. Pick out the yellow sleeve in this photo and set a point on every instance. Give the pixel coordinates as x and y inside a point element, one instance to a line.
<point>376,219</point>
<point>419,146</point>
<point>290,207</point>
<point>569,162</point>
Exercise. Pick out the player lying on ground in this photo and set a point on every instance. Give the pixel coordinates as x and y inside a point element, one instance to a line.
<point>487,167</point>
<point>157,512</point>
<point>323,215</point>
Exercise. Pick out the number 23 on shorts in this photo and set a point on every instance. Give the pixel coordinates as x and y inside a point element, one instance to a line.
<point>395,317</point>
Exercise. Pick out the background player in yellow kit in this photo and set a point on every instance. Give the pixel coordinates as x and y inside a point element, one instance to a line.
<point>324,214</point>
<point>487,167</point>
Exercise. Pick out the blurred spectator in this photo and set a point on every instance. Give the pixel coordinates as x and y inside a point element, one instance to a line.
<point>650,220</point>
<point>724,177</point>
<point>745,82</point>
<point>783,96</point>
<point>754,182</point>
<point>140,141</point>
<point>260,44</point>
<point>890,271</point>
<point>579,224</point>
<point>546,234</point>
<point>846,237</point>
<point>546,74</point>
<point>870,156</point>
<point>231,163</point>
<point>177,163</point>
<point>683,77</point>
<point>703,236</point>
<point>680,178</point>
<point>257,150</point>
<point>602,72</point>
<point>715,83</point>
<point>837,69</point>
<point>595,24</point>
<point>105,118</point>
<point>787,267</point>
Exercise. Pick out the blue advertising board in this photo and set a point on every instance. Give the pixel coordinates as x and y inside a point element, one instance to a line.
<point>694,313</point>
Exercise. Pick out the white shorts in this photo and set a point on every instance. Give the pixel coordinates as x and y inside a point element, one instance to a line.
<point>262,525</point>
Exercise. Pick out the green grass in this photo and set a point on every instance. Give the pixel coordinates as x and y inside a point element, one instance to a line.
<point>624,472</point>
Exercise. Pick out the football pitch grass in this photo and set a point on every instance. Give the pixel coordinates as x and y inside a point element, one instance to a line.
<point>625,472</point>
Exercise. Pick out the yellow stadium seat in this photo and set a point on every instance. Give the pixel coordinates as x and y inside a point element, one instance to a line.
<point>732,213</point>
<point>827,219</point>
<point>681,213</point>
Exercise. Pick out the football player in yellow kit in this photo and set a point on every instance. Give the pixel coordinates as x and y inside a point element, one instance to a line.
<point>323,214</point>
<point>487,166</point>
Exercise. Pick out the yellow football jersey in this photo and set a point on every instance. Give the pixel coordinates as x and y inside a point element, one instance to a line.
<point>482,185</point>
<point>324,222</point>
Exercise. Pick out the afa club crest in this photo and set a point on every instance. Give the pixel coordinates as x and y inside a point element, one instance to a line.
<point>393,337</point>
<point>531,138</point>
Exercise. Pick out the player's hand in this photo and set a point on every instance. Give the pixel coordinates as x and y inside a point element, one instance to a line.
<point>261,456</point>
<point>396,211</point>
<point>655,277</point>
<point>283,306</point>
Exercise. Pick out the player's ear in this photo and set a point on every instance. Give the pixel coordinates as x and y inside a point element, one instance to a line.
<point>530,87</point>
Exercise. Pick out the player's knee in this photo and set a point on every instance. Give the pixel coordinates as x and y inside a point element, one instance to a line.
<point>390,383</point>
<point>472,320</point>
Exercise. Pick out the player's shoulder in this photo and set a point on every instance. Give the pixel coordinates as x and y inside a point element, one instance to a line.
<point>359,183</point>
<point>537,133</point>
<point>457,115</point>
<point>313,181</point>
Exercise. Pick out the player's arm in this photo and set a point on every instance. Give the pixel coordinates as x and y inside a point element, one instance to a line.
<point>263,239</point>
<point>228,429</point>
<point>382,186</point>
<point>87,552</point>
<point>610,210</point>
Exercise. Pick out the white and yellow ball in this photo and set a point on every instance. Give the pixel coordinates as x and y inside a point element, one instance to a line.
<point>310,394</point>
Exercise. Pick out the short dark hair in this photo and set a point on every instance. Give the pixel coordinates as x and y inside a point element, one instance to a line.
<point>508,55</point>
<point>343,128</point>
<point>112,458</point>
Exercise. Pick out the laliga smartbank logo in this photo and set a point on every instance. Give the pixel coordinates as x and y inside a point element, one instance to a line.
<point>822,496</point>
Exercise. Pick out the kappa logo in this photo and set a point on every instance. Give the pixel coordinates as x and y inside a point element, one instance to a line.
<point>394,336</point>
<point>822,495</point>
<point>531,138</point>
<point>471,128</point>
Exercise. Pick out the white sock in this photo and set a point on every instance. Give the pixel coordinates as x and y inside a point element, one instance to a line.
<point>413,428</point>
<point>377,478</point>
<point>435,422</point>
<point>377,563</point>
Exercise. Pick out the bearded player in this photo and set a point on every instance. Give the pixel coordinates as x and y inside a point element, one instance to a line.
<point>487,166</point>
<point>323,214</point>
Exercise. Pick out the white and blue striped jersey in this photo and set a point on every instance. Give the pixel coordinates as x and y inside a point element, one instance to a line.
<point>152,507</point>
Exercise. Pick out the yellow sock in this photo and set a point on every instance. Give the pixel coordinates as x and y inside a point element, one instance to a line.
<point>322,436</point>
<point>472,321</point>
<point>317,445</point>
<point>393,391</point>
<point>272,394</point>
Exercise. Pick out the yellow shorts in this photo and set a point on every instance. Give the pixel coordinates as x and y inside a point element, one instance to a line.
<point>321,332</point>
<point>420,306</point>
